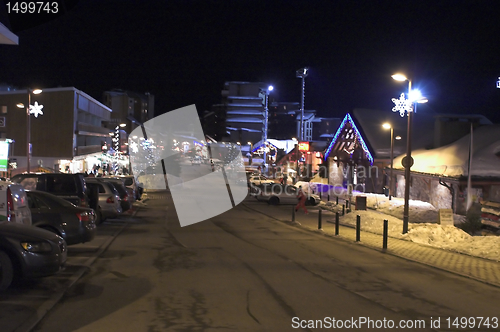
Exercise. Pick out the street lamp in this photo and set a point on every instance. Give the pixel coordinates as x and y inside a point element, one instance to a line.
<point>407,105</point>
<point>388,126</point>
<point>302,74</point>
<point>250,153</point>
<point>266,117</point>
<point>28,122</point>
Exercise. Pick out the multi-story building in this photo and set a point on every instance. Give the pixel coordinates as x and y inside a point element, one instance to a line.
<point>244,106</point>
<point>130,108</point>
<point>65,129</point>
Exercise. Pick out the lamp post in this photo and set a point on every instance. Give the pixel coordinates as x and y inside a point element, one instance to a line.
<point>407,105</point>
<point>302,74</point>
<point>388,126</point>
<point>28,122</point>
<point>266,117</point>
<point>250,154</point>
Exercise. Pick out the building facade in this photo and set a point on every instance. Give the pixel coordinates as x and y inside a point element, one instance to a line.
<point>66,134</point>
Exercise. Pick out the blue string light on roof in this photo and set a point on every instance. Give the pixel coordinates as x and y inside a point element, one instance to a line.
<point>358,135</point>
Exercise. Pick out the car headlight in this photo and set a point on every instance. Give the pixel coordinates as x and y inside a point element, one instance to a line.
<point>36,246</point>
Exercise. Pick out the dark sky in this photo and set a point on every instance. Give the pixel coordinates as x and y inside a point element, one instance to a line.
<point>183,51</point>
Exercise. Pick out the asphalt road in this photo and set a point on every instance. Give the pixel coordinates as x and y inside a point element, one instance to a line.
<point>242,271</point>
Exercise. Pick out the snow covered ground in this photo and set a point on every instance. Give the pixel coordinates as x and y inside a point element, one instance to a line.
<point>422,228</point>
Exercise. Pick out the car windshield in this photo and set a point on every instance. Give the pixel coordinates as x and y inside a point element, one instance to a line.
<point>128,181</point>
<point>120,188</point>
<point>61,184</point>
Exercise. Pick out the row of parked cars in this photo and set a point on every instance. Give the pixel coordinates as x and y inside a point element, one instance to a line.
<point>42,213</point>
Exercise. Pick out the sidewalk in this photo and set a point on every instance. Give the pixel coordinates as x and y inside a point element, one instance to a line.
<point>480,269</point>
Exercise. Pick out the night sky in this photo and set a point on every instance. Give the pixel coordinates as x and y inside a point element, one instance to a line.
<point>184,51</point>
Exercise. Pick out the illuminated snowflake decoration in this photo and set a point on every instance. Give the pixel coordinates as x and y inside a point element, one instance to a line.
<point>36,109</point>
<point>402,105</point>
<point>134,147</point>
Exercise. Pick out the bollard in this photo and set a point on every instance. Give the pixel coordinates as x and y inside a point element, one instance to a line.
<point>293,213</point>
<point>337,200</point>
<point>319,220</point>
<point>343,209</point>
<point>384,243</point>
<point>320,196</point>
<point>328,198</point>
<point>358,228</point>
<point>336,223</point>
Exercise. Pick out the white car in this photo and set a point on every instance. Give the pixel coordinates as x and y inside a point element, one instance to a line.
<point>277,193</point>
<point>14,204</point>
<point>257,180</point>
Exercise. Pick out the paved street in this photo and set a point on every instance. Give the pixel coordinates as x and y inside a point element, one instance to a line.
<point>245,271</point>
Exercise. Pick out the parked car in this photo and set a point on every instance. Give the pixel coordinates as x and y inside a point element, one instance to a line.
<point>257,180</point>
<point>71,187</point>
<point>74,224</point>
<point>28,252</point>
<point>108,199</point>
<point>132,184</point>
<point>14,203</point>
<point>196,160</point>
<point>125,199</point>
<point>277,193</point>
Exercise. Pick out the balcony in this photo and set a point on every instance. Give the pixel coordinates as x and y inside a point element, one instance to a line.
<point>82,150</point>
<point>91,130</point>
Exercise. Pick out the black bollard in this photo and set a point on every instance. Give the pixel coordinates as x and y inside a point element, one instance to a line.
<point>358,228</point>
<point>337,200</point>
<point>319,220</point>
<point>384,243</point>
<point>328,198</point>
<point>336,223</point>
<point>343,209</point>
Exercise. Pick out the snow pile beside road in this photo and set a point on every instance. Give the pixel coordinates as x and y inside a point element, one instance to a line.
<point>423,227</point>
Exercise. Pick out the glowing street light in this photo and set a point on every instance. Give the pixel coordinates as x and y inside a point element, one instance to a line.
<point>403,106</point>
<point>36,110</point>
<point>266,117</point>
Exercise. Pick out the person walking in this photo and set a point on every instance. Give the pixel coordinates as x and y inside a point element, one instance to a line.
<point>301,196</point>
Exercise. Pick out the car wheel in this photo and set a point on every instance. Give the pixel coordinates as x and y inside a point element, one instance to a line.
<point>274,200</point>
<point>6,271</point>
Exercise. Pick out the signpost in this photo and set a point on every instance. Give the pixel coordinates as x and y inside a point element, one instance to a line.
<point>445,217</point>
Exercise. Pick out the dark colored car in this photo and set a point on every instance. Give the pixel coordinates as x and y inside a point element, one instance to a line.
<point>74,224</point>
<point>134,188</point>
<point>126,200</point>
<point>28,252</point>
<point>71,187</point>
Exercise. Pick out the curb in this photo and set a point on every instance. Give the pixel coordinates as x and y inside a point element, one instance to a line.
<point>45,308</point>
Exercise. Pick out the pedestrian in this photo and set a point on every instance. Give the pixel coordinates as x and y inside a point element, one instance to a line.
<point>301,196</point>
